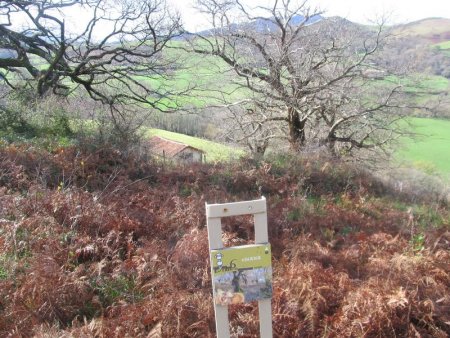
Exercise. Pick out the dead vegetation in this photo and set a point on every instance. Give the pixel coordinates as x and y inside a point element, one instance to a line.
<point>95,244</point>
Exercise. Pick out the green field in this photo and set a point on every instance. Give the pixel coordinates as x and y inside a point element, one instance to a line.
<point>196,80</point>
<point>214,151</point>
<point>430,151</point>
<point>419,83</point>
<point>444,47</point>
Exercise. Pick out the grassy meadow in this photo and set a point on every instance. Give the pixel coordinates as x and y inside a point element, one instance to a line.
<point>443,47</point>
<point>208,79</point>
<point>430,150</point>
<point>424,86</point>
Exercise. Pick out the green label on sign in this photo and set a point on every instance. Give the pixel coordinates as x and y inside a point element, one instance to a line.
<point>242,274</point>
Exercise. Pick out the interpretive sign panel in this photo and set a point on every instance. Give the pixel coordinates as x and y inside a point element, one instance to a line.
<point>241,274</point>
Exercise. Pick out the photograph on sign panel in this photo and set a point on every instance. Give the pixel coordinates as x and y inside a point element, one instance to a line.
<point>243,286</point>
<point>242,273</point>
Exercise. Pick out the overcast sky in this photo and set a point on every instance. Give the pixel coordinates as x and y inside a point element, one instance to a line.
<point>362,11</point>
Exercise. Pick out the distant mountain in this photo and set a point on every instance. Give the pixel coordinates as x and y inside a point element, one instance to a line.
<point>433,29</point>
<point>268,25</point>
<point>264,25</point>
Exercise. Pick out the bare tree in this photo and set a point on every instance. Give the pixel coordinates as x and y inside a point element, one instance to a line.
<point>245,124</point>
<point>117,57</point>
<point>313,81</point>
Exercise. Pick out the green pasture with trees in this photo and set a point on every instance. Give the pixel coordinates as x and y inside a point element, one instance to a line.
<point>192,84</point>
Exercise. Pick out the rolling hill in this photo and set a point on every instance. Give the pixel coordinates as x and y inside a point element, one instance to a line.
<point>435,30</point>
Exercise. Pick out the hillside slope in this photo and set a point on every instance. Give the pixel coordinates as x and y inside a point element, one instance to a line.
<point>95,244</point>
<point>433,29</point>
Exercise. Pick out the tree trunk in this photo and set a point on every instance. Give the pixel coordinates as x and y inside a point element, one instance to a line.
<point>332,148</point>
<point>297,135</point>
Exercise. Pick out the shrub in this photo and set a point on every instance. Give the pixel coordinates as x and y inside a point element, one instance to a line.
<point>98,243</point>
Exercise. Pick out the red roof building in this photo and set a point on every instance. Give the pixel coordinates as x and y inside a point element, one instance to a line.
<point>173,150</point>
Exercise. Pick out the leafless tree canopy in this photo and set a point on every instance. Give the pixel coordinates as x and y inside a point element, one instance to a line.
<point>311,82</point>
<point>121,42</point>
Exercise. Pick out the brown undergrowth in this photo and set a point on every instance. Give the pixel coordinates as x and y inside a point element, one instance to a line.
<point>97,244</point>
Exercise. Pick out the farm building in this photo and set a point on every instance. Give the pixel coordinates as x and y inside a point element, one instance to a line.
<point>172,150</point>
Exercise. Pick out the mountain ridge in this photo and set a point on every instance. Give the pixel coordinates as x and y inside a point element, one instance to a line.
<point>434,29</point>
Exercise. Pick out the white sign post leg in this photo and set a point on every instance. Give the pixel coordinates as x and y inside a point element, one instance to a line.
<point>264,305</point>
<point>221,312</point>
<point>214,213</point>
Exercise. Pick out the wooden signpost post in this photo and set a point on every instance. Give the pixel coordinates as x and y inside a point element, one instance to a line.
<point>231,268</point>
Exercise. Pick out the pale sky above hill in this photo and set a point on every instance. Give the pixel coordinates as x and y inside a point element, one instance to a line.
<point>361,11</point>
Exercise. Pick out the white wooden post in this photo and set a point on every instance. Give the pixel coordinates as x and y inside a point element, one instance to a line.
<point>214,213</point>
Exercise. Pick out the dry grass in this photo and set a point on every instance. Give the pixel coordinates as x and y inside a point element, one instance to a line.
<point>94,244</point>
